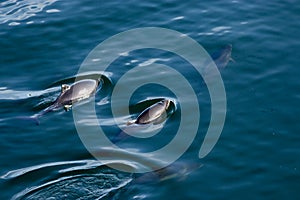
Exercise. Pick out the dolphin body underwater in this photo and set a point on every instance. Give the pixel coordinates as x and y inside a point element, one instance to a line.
<point>176,171</point>
<point>69,95</point>
<point>223,56</point>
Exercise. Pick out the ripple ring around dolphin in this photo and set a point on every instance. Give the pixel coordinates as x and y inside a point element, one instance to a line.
<point>93,137</point>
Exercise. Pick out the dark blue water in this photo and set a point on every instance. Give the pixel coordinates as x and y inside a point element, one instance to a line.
<point>43,44</point>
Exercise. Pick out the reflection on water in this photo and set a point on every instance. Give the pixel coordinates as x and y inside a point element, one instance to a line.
<point>18,10</point>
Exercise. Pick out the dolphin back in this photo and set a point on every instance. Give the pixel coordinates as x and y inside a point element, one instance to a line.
<point>153,113</point>
<point>78,91</point>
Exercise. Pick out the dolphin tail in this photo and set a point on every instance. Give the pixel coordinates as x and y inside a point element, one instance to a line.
<point>35,118</point>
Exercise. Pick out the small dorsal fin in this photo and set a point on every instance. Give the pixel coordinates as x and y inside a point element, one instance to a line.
<point>64,87</point>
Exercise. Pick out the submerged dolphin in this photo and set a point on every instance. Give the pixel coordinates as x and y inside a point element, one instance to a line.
<point>176,171</point>
<point>153,114</point>
<point>69,95</point>
<point>220,59</point>
<point>223,56</point>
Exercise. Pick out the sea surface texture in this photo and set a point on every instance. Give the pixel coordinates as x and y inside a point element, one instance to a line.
<point>44,43</point>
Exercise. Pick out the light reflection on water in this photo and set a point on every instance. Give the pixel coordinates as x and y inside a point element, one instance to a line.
<point>15,11</point>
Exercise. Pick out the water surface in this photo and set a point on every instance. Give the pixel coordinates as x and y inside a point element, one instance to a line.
<point>43,44</point>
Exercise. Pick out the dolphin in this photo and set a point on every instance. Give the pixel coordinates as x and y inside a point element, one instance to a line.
<point>154,114</point>
<point>176,171</point>
<point>223,56</point>
<point>69,95</point>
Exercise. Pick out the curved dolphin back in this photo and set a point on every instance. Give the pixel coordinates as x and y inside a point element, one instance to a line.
<point>78,91</point>
<point>153,112</point>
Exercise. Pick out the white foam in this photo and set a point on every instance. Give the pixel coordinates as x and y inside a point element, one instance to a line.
<point>124,53</point>
<point>151,61</point>
<point>134,61</point>
<point>220,28</point>
<point>177,18</point>
<point>207,33</point>
<point>52,11</point>
<point>14,24</point>
<point>96,59</point>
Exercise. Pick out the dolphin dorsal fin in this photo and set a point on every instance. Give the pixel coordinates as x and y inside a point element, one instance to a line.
<point>64,87</point>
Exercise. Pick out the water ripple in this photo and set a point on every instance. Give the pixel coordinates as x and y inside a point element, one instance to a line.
<point>83,186</point>
<point>83,179</point>
<point>13,10</point>
<point>10,94</point>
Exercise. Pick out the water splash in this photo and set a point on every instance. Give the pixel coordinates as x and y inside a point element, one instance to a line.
<point>14,11</point>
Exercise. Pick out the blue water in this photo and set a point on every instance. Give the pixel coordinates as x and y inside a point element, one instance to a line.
<point>43,44</point>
